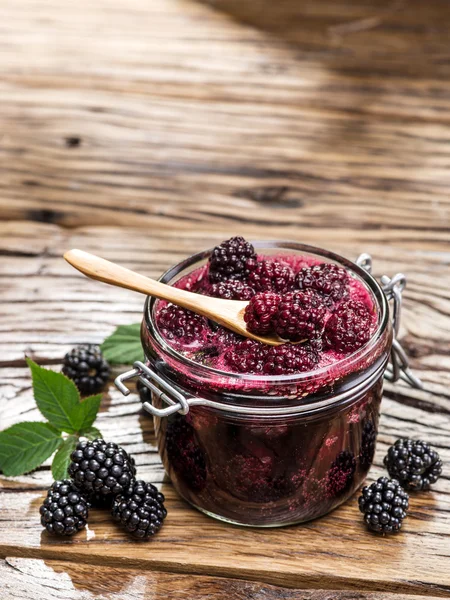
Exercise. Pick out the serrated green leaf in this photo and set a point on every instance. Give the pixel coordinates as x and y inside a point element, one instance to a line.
<point>86,412</point>
<point>25,446</point>
<point>92,433</point>
<point>61,459</point>
<point>56,397</point>
<point>124,345</point>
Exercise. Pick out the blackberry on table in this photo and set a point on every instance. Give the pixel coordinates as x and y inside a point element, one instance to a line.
<point>65,509</point>
<point>228,260</point>
<point>328,279</point>
<point>269,276</point>
<point>233,289</point>
<point>179,323</point>
<point>300,316</point>
<point>414,463</point>
<point>87,368</point>
<point>103,468</point>
<point>260,311</point>
<point>140,509</point>
<point>384,505</point>
<point>348,328</point>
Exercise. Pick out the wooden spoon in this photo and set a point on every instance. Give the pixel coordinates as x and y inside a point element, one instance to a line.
<point>229,313</point>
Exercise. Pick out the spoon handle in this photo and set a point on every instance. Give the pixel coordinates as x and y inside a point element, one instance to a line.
<point>108,272</point>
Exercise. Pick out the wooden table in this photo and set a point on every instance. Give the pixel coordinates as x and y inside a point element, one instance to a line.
<point>145,131</point>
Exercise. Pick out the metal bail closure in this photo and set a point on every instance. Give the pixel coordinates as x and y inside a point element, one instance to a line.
<point>393,288</point>
<point>176,401</point>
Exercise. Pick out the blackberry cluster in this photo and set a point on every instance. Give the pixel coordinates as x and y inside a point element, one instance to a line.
<point>368,441</point>
<point>64,510</point>
<point>246,357</point>
<point>140,509</point>
<point>184,453</point>
<point>414,463</point>
<point>103,476</point>
<point>101,467</point>
<point>178,323</point>
<point>348,328</point>
<point>269,276</point>
<point>300,316</point>
<point>87,368</point>
<point>341,473</point>
<point>327,279</point>
<point>287,359</point>
<point>260,312</point>
<point>384,505</point>
<point>234,289</point>
<point>229,259</point>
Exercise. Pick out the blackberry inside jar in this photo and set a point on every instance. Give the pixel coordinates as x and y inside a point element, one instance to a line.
<point>271,435</point>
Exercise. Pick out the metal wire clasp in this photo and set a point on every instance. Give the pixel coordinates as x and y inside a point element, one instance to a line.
<point>176,401</point>
<point>393,288</point>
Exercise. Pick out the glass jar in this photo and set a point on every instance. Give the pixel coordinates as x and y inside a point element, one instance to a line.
<point>264,450</point>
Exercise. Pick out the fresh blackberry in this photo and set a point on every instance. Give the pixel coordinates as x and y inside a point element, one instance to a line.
<point>184,453</point>
<point>65,509</point>
<point>178,323</point>
<point>140,509</point>
<point>231,290</point>
<point>288,359</point>
<point>341,473</point>
<point>145,394</point>
<point>414,463</point>
<point>327,279</point>
<point>228,260</point>
<point>300,316</point>
<point>260,311</point>
<point>269,276</point>
<point>101,467</point>
<point>348,328</point>
<point>384,505</point>
<point>368,441</point>
<point>87,368</point>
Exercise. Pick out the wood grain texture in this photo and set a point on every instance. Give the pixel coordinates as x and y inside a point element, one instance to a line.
<point>50,579</point>
<point>145,131</point>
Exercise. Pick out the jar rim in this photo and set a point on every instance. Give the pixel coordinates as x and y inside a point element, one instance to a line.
<point>345,363</point>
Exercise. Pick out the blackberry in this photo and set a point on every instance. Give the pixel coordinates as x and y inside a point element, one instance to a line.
<point>341,473</point>
<point>246,357</point>
<point>102,468</point>
<point>65,509</point>
<point>228,260</point>
<point>288,359</point>
<point>414,463</point>
<point>140,509</point>
<point>259,312</point>
<point>87,368</point>
<point>178,323</point>
<point>145,395</point>
<point>348,328</point>
<point>300,316</point>
<point>328,279</point>
<point>368,441</point>
<point>184,453</point>
<point>269,276</point>
<point>384,505</point>
<point>231,290</point>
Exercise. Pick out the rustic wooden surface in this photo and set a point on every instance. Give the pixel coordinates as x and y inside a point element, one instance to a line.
<point>144,131</point>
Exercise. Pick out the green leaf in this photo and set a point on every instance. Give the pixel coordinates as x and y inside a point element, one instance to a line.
<point>92,433</point>
<point>124,345</point>
<point>25,446</point>
<point>86,412</point>
<point>56,397</point>
<point>61,460</point>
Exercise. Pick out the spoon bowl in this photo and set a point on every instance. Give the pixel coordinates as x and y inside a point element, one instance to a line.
<point>229,313</point>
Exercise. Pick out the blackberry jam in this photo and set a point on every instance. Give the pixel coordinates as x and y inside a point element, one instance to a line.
<point>248,446</point>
